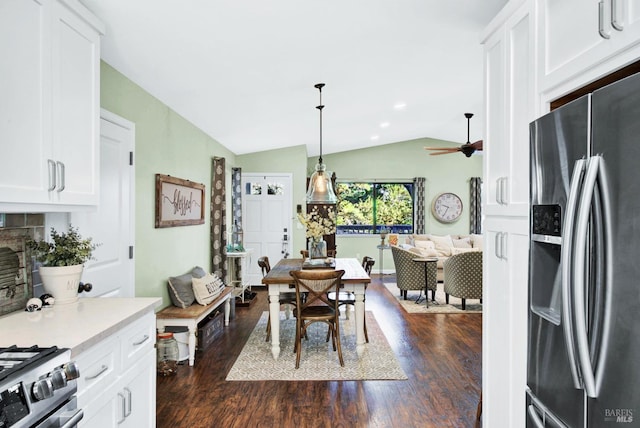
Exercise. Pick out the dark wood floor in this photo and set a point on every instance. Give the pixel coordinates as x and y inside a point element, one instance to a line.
<point>440,353</point>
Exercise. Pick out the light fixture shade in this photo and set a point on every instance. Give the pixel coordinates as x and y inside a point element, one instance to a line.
<point>320,187</point>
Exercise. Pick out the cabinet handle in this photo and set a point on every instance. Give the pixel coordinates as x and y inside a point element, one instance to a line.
<point>503,191</point>
<point>614,16</point>
<point>604,34</point>
<point>503,246</point>
<point>122,400</point>
<point>62,176</point>
<point>129,405</point>
<point>144,339</point>
<point>52,174</point>
<point>496,244</point>
<point>102,370</point>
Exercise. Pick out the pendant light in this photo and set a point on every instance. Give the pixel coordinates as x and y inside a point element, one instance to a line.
<point>320,187</point>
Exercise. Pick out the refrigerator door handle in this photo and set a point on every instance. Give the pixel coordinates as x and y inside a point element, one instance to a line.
<point>579,292</point>
<point>566,266</point>
<point>533,416</point>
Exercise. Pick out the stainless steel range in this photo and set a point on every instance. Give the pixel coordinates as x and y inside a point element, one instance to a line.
<point>37,388</point>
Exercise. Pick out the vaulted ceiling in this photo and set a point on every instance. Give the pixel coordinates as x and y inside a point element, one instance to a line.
<point>244,71</point>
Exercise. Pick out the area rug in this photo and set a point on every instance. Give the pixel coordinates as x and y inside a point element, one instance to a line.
<point>438,307</point>
<point>318,361</point>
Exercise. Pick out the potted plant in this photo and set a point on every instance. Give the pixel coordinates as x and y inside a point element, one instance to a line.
<point>62,261</point>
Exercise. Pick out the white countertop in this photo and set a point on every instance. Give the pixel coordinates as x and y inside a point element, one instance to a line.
<point>76,326</point>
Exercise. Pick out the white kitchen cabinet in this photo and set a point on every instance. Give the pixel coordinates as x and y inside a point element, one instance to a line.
<point>117,386</point>
<point>578,35</point>
<point>504,323</point>
<point>509,108</point>
<point>49,114</point>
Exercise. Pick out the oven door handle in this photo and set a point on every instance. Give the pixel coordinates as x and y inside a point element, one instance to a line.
<point>73,420</point>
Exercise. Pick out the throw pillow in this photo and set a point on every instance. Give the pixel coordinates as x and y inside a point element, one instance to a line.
<point>462,243</point>
<point>477,242</point>
<point>198,272</point>
<point>207,288</point>
<point>181,290</point>
<point>455,251</point>
<point>426,245</point>
<point>443,244</point>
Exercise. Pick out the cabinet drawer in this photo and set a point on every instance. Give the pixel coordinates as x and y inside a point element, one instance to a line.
<point>99,368</point>
<point>138,339</point>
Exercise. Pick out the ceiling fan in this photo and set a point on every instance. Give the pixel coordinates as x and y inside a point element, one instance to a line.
<point>467,149</point>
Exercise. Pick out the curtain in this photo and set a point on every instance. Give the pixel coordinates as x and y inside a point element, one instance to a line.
<point>418,205</point>
<point>236,216</point>
<point>475,202</point>
<point>218,219</point>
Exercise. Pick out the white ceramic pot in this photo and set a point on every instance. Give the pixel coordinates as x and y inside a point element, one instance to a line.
<point>61,282</point>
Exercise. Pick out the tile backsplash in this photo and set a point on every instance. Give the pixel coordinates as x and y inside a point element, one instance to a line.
<point>34,226</point>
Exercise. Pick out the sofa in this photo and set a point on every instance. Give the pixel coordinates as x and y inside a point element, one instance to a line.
<point>442,247</point>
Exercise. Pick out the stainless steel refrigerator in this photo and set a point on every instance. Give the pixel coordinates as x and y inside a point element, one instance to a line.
<point>583,365</point>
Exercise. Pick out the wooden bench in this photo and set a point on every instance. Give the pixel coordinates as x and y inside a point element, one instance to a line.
<point>191,316</point>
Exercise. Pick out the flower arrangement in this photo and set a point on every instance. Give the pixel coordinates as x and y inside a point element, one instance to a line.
<point>318,225</point>
<point>67,249</point>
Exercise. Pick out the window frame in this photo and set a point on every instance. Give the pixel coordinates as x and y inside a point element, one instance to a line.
<point>375,228</point>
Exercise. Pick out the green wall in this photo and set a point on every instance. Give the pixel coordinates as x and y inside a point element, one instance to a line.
<point>405,160</point>
<point>166,143</point>
<point>288,160</point>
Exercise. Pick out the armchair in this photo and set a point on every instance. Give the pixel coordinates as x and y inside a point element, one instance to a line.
<point>410,275</point>
<point>463,276</point>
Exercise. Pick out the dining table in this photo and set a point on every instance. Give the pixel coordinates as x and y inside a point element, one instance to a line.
<point>278,280</point>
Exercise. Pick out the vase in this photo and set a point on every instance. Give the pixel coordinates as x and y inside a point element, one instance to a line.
<point>61,282</point>
<point>317,249</point>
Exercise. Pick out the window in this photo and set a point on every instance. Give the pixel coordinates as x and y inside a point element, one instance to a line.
<point>366,208</point>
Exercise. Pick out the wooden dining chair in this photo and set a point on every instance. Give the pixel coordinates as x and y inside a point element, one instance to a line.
<point>348,298</point>
<point>316,307</point>
<point>285,298</point>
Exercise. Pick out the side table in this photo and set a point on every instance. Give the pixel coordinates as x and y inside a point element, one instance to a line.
<point>238,280</point>
<point>425,261</point>
<point>380,250</point>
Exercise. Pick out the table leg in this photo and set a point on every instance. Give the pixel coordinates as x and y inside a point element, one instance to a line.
<point>426,284</point>
<point>274,314</point>
<point>192,344</point>
<point>359,310</point>
<point>227,308</point>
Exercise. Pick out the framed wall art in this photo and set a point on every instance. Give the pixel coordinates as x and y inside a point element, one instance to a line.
<point>178,202</point>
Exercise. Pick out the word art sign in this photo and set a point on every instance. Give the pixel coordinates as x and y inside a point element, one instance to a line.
<point>178,202</point>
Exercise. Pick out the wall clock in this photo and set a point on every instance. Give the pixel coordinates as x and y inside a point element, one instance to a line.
<point>447,207</point>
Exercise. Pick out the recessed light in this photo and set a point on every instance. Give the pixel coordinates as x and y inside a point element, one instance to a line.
<point>399,106</point>
<point>384,125</point>
<point>375,137</point>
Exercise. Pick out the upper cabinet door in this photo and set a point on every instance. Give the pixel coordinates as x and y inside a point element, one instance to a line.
<point>49,109</point>
<point>76,109</point>
<point>578,36</point>
<point>509,86</point>
<point>25,101</point>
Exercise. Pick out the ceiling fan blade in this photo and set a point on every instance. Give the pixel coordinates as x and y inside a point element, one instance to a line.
<point>477,145</point>
<point>442,153</point>
<point>443,149</point>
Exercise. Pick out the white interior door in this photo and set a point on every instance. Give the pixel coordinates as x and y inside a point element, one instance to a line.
<point>266,218</point>
<point>112,224</point>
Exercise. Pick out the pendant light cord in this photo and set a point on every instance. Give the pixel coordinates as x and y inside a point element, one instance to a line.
<point>320,107</point>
